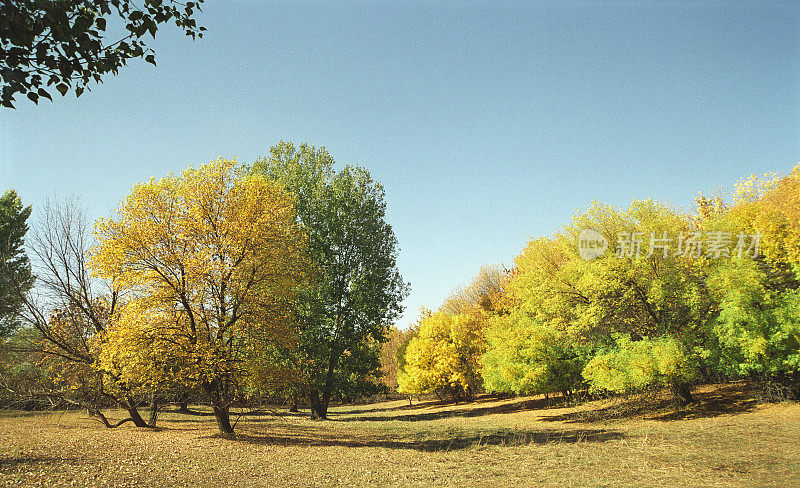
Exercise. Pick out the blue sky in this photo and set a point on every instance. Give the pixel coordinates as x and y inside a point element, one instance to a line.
<point>487,123</point>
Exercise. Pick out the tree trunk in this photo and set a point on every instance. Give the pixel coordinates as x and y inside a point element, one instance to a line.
<point>222,415</point>
<point>153,411</point>
<point>293,407</point>
<point>183,403</point>
<point>319,406</point>
<point>137,419</point>
<point>683,393</point>
<point>220,407</point>
<point>318,412</point>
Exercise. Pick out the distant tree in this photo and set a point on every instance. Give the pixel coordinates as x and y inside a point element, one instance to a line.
<point>444,357</point>
<point>358,289</point>
<point>485,291</point>
<point>15,268</point>
<point>211,261</point>
<point>390,359</point>
<point>63,43</point>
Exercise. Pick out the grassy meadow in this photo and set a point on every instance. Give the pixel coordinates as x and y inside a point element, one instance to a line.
<point>727,439</point>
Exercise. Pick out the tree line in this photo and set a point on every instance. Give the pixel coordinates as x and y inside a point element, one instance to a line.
<point>656,297</point>
<point>228,282</point>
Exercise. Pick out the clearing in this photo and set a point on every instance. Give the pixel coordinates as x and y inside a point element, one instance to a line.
<point>726,440</point>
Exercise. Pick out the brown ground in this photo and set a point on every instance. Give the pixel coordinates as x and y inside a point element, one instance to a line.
<point>727,440</point>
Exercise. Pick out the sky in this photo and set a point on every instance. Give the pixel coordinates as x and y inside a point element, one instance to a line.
<point>488,123</point>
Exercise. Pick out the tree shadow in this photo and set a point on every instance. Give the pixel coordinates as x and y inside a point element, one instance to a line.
<point>416,406</point>
<point>510,438</point>
<point>189,412</point>
<point>726,400</point>
<point>474,409</point>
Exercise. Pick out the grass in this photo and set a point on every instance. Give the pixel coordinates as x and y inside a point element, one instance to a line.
<point>727,440</point>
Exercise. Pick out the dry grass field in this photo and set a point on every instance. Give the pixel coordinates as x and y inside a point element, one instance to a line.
<point>727,440</point>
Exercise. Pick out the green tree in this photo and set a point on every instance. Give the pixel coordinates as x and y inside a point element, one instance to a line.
<point>358,290</point>
<point>525,356</point>
<point>758,327</point>
<point>586,308</point>
<point>15,268</point>
<point>63,43</point>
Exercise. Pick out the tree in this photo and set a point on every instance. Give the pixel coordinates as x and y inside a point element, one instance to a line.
<point>63,43</point>
<point>358,290</point>
<point>66,316</point>
<point>393,355</point>
<point>758,327</point>
<point>444,357</point>
<point>15,268</point>
<point>525,356</point>
<point>485,291</point>
<point>212,262</point>
<point>588,310</point>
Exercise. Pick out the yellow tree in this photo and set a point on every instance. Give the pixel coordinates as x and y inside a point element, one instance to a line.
<point>211,262</point>
<point>444,356</point>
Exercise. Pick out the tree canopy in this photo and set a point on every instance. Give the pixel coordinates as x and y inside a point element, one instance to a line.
<point>210,262</point>
<point>15,268</point>
<point>358,290</point>
<point>64,43</point>
<point>632,299</point>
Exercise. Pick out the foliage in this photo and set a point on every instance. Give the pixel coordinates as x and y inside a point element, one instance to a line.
<point>524,356</point>
<point>213,262</point>
<point>443,357</point>
<point>65,317</point>
<point>758,328</point>
<point>637,365</point>
<point>485,291</point>
<point>15,268</point>
<point>566,310</point>
<point>778,219</point>
<point>358,289</point>
<point>61,43</point>
<point>393,355</point>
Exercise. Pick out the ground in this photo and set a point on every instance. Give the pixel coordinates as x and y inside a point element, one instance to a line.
<point>727,440</point>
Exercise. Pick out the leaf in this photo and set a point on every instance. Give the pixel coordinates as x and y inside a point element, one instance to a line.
<point>62,88</point>
<point>43,93</point>
<point>150,59</point>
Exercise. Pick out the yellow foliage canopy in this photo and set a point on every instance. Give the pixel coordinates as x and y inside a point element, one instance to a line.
<point>444,356</point>
<point>211,262</point>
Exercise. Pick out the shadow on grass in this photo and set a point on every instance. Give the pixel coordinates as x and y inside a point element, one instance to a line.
<point>726,400</point>
<point>189,412</point>
<point>474,409</point>
<point>516,438</point>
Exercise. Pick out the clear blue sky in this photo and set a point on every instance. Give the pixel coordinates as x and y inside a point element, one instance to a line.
<point>487,123</point>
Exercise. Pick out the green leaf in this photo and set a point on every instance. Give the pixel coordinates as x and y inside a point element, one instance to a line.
<point>62,88</point>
